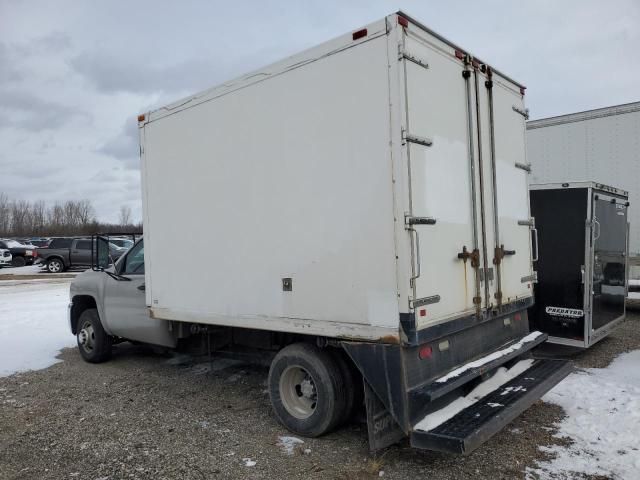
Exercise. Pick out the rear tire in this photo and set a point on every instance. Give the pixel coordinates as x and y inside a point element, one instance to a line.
<point>354,390</point>
<point>55,265</point>
<point>18,261</point>
<point>306,387</point>
<point>93,342</point>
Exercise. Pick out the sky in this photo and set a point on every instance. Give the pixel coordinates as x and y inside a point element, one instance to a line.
<point>75,74</point>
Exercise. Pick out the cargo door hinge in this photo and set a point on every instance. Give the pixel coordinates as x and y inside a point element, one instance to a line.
<point>523,112</point>
<point>402,55</point>
<point>409,138</point>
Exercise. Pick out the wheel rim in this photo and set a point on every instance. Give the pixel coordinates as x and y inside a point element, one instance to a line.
<point>87,337</point>
<point>298,392</point>
<point>54,267</point>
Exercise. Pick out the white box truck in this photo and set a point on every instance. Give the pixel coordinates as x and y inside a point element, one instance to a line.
<point>360,213</point>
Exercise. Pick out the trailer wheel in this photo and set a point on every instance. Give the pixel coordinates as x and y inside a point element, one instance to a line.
<point>93,342</point>
<point>55,265</point>
<point>306,386</point>
<point>18,261</point>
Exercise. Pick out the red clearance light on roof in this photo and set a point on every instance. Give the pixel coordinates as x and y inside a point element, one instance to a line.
<point>522,89</point>
<point>475,63</point>
<point>359,34</point>
<point>459,54</point>
<point>425,352</point>
<point>517,317</point>
<point>403,21</point>
<point>141,118</point>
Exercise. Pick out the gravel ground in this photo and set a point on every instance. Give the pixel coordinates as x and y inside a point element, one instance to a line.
<point>145,416</point>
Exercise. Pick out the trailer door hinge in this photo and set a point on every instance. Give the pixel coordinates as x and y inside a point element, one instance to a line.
<point>524,113</point>
<point>402,55</point>
<point>524,166</point>
<point>409,220</point>
<point>530,278</point>
<point>407,137</point>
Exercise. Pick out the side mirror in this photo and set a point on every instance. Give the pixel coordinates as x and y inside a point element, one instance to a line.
<point>102,255</point>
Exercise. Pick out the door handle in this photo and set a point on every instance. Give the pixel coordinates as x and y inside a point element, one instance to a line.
<point>141,287</point>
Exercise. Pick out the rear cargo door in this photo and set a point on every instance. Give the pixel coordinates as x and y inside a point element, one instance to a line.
<point>609,239</point>
<point>442,220</point>
<point>505,184</point>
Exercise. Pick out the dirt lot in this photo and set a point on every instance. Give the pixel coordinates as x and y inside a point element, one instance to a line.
<point>146,416</point>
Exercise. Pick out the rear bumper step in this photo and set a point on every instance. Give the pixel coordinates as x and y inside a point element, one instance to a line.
<point>474,425</point>
<point>474,369</point>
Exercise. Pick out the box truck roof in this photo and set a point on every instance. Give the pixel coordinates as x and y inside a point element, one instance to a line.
<point>336,45</point>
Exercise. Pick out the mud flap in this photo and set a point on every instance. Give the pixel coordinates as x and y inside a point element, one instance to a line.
<point>382,428</point>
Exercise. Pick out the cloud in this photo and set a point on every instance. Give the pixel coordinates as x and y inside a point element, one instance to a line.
<point>124,146</point>
<point>22,109</point>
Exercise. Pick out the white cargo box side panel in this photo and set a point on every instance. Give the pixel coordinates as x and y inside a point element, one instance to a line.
<point>287,178</point>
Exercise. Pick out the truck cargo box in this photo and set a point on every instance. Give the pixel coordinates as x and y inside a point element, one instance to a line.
<point>378,175</point>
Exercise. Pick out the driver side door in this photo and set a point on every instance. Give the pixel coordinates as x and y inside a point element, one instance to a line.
<point>125,309</point>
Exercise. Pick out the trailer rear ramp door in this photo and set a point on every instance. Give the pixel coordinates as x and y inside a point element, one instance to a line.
<point>466,423</point>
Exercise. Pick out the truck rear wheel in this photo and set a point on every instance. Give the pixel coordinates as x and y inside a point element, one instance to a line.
<point>306,387</point>
<point>18,261</point>
<point>93,342</point>
<point>55,265</point>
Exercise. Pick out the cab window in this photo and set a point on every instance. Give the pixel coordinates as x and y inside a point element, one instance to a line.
<point>134,261</point>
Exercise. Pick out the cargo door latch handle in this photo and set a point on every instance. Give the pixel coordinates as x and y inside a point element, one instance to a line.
<point>500,253</point>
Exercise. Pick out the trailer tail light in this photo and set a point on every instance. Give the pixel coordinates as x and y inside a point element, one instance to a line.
<point>423,312</point>
<point>403,21</point>
<point>425,352</point>
<point>522,89</point>
<point>359,34</point>
<point>141,118</point>
<point>459,54</point>
<point>517,317</point>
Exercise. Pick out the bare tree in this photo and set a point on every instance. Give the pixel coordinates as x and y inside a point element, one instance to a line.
<point>125,215</point>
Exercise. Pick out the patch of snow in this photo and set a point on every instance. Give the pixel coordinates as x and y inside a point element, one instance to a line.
<point>501,377</point>
<point>603,422</point>
<point>489,358</point>
<point>634,295</point>
<point>288,444</point>
<point>33,326</point>
<point>634,282</point>
<point>495,405</point>
<point>248,462</point>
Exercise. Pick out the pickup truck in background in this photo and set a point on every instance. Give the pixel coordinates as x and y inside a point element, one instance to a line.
<point>21,254</point>
<point>64,253</point>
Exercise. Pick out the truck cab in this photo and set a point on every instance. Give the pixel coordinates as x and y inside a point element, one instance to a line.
<point>115,296</point>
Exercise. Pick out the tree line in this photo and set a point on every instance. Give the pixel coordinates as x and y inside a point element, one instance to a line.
<point>22,218</point>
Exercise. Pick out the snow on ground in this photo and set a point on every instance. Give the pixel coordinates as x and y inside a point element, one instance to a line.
<point>33,325</point>
<point>26,270</point>
<point>288,444</point>
<point>603,422</point>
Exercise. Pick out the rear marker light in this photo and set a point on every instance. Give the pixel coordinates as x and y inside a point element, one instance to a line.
<point>141,118</point>
<point>425,352</point>
<point>517,317</point>
<point>522,89</point>
<point>403,21</point>
<point>359,34</point>
<point>459,54</point>
<point>423,312</point>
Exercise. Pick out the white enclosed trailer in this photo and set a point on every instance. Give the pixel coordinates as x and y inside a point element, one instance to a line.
<point>368,194</point>
<point>600,145</point>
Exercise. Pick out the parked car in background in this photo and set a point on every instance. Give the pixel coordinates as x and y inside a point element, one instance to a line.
<point>5,258</point>
<point>66,252</point>
<point>122,242</point>
<point>40,242</point>
<point>21,254</point>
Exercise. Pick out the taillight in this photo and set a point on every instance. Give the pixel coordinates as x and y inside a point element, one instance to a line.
<point>425,352</point>
<point>403,21</point>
